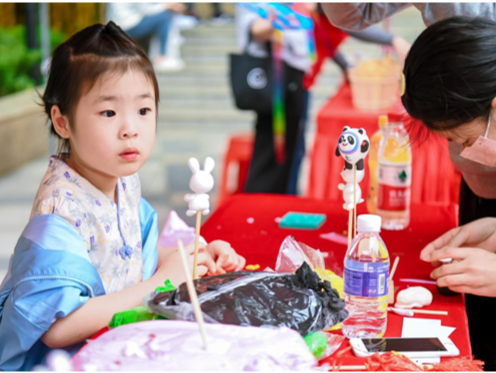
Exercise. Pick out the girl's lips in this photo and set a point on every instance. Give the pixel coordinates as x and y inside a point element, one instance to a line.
<point>129,155</point>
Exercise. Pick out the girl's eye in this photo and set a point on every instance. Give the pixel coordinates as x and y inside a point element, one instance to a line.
<point>144,111</point>
<point>108,113</point>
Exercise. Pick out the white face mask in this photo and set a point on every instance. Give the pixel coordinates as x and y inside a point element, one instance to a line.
<point>483,150</point>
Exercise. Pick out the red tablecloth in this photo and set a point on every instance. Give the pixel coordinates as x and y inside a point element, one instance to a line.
<point>259,242</point>
<point>434,178</point>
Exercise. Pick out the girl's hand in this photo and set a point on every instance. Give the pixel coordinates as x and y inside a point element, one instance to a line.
<point>479,233</point>
<point>472,270</point>
<point>172,267</point>
<point>226,258</point>
<point>176,7</point>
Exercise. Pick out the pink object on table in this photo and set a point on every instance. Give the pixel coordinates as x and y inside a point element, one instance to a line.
<point>167,345</point>
<point>418,281</point>
<point>335,237</point>
<point>174,229</point>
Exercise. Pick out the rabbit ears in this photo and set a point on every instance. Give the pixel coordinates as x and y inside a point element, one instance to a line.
<point>194,165</point>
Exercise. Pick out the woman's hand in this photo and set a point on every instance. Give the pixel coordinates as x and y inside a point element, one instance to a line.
<point>472,270</point>
<point>401,47</point>
<point>262,29</point>
<point>226,258</point>
<point>477,234</point>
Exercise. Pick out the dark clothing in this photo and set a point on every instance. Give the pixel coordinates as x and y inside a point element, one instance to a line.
<point>480,310</point>
<point>266,175</point>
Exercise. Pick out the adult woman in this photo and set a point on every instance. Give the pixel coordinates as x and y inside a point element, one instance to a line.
<point>450,76</point>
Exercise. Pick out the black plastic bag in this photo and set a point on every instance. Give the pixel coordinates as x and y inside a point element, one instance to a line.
<point>300,301</point>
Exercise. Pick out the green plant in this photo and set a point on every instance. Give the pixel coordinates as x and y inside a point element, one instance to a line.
<point>16,61</point>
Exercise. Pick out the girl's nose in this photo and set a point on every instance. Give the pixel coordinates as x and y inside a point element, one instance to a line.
<point>129,129</point>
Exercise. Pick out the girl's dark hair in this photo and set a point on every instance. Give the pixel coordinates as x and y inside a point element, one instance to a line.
<point>450,72</point>
<point>79,62</point>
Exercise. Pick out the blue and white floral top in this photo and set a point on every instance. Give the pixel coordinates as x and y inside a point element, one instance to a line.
<point>111,232</point>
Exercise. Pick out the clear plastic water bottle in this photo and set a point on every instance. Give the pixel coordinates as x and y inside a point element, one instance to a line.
<point>366,272</point>
<point>395,176</point>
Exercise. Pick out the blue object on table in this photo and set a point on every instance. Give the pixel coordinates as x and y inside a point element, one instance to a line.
<point>298,220</point>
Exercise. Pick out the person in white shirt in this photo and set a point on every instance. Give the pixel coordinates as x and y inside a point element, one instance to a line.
<point>142,19</point>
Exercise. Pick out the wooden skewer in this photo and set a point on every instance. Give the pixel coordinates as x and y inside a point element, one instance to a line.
<point>352,367</point>
<point>391,281</point>
<point>197,244</point>
<point>193,296</point>
<point>350,227</point>
<point>427,312</point>
<point>395,265</point>
<point>354,202</point>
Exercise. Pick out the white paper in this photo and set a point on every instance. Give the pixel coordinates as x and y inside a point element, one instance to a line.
<point>420,328</point>
<point>425,328</point>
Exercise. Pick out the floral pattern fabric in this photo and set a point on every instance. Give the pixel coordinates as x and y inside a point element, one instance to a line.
<point>112,232</point>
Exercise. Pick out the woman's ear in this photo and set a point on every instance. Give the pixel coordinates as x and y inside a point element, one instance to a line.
<point>60,122</point>
<point>493,103</point>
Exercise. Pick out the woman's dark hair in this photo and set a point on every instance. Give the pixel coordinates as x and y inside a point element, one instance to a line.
<point>79,62</point>
<point>450,72</point>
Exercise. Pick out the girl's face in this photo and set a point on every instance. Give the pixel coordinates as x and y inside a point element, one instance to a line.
<point>114,125</point>
<point>468,133</point>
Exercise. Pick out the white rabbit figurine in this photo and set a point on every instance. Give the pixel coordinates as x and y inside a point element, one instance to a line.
<point>201,183</point>
<point>347,188</point>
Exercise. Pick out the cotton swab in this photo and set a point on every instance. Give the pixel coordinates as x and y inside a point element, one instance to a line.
<point>411,312</point>
<point>193,296</point>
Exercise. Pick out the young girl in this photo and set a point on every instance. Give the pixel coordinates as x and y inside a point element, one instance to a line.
<point>450,76</point>
<point>90,248</point>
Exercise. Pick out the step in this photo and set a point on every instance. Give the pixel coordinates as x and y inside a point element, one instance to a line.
<point>207,31</point>
<point>174,117</point>
<point>212,103</point>
<point>222,67</point>
<point>220,90</point>
<point>171,81</point>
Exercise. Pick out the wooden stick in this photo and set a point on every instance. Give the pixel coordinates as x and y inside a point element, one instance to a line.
<point>395,265</point>
<point>391,281</point>
<point>350,228</point>
<point>352,367</point>
<point>193,296</point>
<point>197,244</point>
<point>354,202</point>
<point>427,312</point>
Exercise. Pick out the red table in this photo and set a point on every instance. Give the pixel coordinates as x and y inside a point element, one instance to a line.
<point>434,178</point>
<point>259,243</point>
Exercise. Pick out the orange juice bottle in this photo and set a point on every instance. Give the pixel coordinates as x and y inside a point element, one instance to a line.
<point>395,176</point>
<point>374,165</point>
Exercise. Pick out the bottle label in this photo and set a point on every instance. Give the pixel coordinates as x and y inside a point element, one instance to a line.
<point>394,187</point>
<point>366,279</point>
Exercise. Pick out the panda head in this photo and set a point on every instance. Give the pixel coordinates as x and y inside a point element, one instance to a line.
<point>353,144</point>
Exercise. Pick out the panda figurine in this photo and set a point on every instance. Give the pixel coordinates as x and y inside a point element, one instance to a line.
<point>353,146</point>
